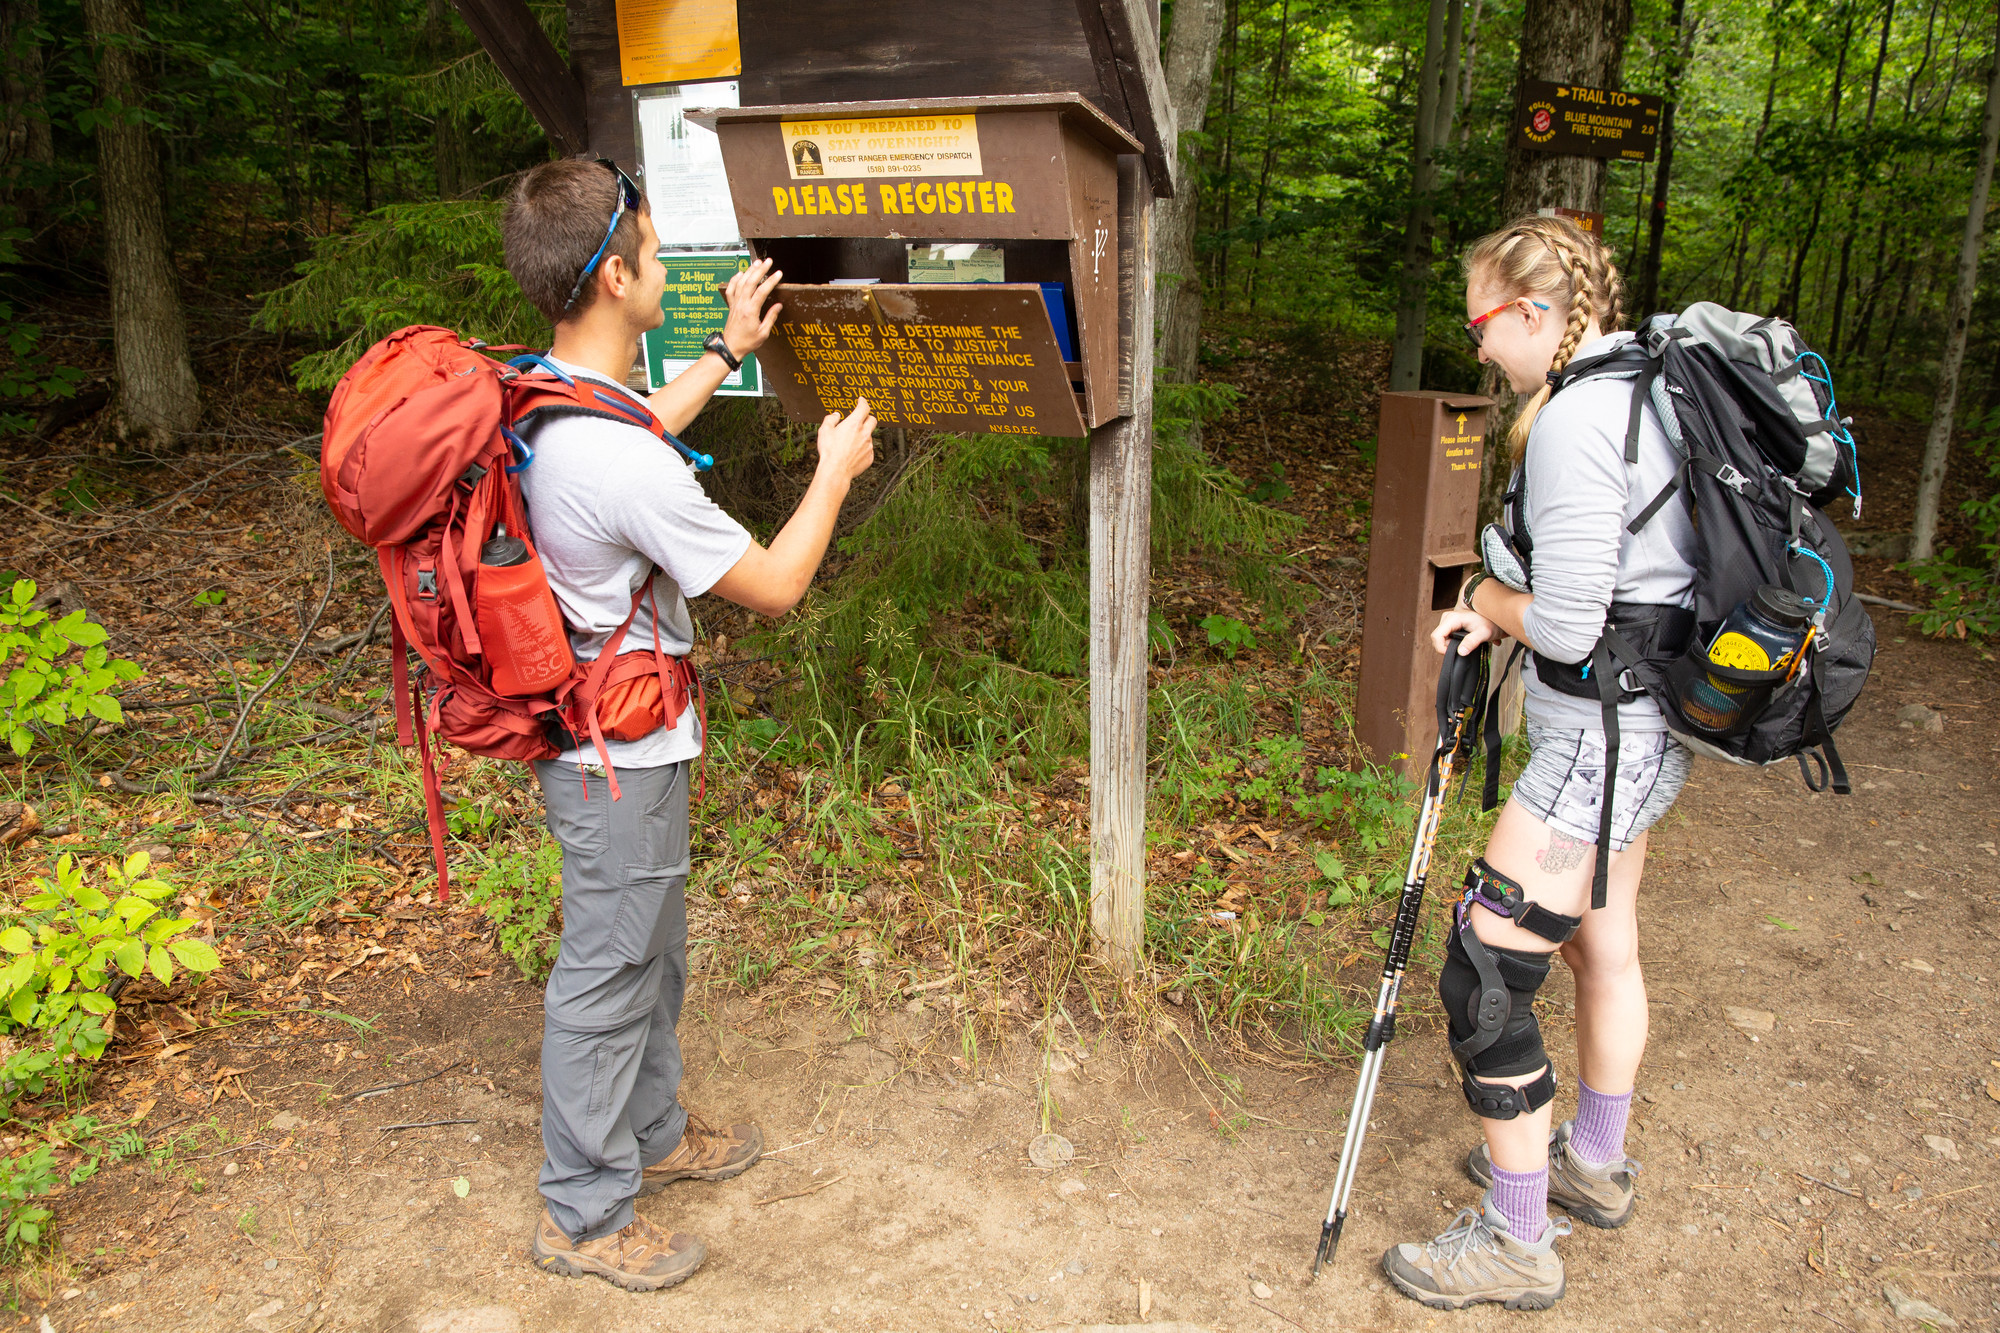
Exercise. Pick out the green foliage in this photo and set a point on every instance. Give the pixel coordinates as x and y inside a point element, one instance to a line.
<point>26,373</point>
<point>211,597</point>
<point>473,819</point>
<point>439,263</point>
<point>520,891</point>
<point>992,524</point>
<point>1228,633</point>
<point>1272,488</point>
<point>70,937</point>
<point>46,687</point>
<point>1964,594</point>
<point>24,1179</point>
<point>1821,170</point>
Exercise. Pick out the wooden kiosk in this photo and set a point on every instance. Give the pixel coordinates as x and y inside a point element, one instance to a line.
<point>1045,135</point>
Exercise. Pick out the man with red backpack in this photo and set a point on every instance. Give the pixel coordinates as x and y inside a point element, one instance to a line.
<point>627,535</point>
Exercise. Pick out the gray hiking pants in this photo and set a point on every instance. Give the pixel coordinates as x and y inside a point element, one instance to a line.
<point>611,1063</point>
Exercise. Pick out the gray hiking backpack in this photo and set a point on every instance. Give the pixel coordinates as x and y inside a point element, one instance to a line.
<point>1750,410</point>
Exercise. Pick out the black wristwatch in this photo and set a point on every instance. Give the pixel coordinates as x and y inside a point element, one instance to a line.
<point>1472,582</point>
<point>715,343</point>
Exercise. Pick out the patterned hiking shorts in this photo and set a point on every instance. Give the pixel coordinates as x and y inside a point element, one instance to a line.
<point>1563,783</point>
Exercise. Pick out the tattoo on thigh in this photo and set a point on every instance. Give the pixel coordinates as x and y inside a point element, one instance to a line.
<point>1564,853</point>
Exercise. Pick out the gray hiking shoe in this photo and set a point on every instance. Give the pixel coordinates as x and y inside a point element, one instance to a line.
<point>1477,1260</point>
<point>1600,1195</point>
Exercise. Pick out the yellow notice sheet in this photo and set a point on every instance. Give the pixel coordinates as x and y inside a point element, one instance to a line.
<point>927,145</point>
<point>677,41</point>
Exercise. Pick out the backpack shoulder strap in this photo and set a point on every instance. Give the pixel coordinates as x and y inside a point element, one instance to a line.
<point>537,398</point>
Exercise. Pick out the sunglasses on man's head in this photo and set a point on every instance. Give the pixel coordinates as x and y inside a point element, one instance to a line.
<point>1473,332</point>
<point>628,197</point>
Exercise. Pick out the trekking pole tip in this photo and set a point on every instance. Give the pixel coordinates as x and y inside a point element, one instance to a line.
<point>1329,1241</point>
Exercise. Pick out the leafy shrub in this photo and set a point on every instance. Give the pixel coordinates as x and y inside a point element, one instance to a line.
<point>28,373</point>
<point>520,891</point>
<point>1229,634</point>
<point>24,1179</point>
<point>1965,593</point>
<point>71,938</point>
<point>42,691</point>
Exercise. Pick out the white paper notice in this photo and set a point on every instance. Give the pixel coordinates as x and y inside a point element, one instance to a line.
<point>682,166</point>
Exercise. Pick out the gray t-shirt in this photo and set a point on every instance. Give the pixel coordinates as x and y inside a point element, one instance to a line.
<point>1581,494</point>
<point>607,502</point>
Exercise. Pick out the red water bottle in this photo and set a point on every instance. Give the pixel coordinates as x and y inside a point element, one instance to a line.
<point>527,644</point>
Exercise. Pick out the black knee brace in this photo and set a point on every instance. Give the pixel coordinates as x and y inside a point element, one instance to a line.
<point>1489,997</point>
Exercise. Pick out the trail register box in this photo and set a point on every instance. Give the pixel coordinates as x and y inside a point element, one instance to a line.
<point>837,192</point>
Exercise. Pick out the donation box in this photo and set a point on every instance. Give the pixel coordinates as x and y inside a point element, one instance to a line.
<point>1422,543</point>
<point>956,263</point>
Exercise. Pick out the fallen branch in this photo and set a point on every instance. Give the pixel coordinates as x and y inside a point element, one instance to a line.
<point>424,1124</point>
<point>358,639</point>
<point>221,764</point>
<point>1825,1184</point>
<point>1888,603</point>
<point>800,1194</point>
<point>381,1088</point>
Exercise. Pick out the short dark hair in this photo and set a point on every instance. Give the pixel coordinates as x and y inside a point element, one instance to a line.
<point>552,223</point>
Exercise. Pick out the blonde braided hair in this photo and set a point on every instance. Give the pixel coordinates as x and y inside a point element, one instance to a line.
<point>1553,258</point>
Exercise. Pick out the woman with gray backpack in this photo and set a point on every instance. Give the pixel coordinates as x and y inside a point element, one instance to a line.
<point>1666,567</point>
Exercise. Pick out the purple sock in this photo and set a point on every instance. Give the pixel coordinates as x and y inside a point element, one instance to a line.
<point>1599,1135</point>
<point>1522,1197</point>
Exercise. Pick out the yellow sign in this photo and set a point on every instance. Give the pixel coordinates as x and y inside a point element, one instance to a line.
<point>930,145</point>
<point>677,41</point>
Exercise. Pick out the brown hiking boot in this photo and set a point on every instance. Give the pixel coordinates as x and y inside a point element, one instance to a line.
<point>1476,1259</point>
<point>705,1153</point>
<point>638,1257</point>
<point>1600,1195</point>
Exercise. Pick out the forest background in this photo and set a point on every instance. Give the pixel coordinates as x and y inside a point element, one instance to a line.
<point>208,210</point>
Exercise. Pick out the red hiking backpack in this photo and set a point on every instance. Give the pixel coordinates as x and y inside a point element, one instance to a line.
<point>419,460</point>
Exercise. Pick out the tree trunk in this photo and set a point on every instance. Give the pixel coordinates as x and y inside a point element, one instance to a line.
<point>1406,360</point>
<point>1788,303</point>
<point>1930,480</point>
<point>1562,41</point>
<point>1190,67</point>
<point>1228,172</point>
<point>1854,199</point>
<point>1465,77</point>
<point>441,40</point>
<point>1756,150</point>
<point>157,398</point>
<point>1565,41</point>
<point>1279,69</point>
<point>28,151</point>
<point>1656,223</point>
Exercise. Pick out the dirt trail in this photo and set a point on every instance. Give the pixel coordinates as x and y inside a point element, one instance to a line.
<point>1788,1173</point>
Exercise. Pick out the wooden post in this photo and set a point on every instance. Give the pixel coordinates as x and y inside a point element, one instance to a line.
<point>528,61</point>
<point>1121,566</point>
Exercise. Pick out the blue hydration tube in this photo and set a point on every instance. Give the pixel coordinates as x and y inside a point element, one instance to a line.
<point>1841,435</point>
<point>1820,605</point>
<point>697,460</point>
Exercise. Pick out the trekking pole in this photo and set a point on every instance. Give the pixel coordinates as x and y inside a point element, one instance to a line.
<point>1461,690</point>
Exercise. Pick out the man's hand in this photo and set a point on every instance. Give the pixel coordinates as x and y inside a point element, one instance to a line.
<point>770,582</point>
<point>749,324</point>
<point>847,444</point>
